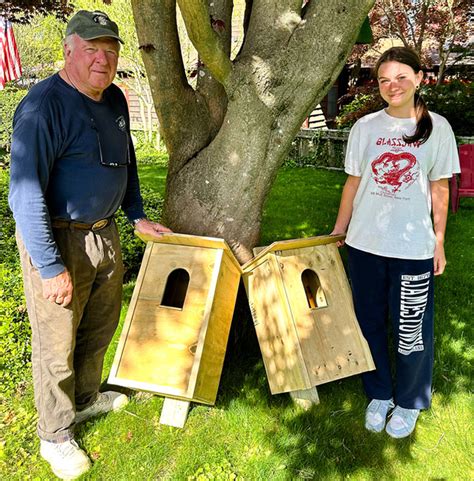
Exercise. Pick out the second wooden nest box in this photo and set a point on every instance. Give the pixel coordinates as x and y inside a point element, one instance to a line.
<point>302,309</point>
<point>175,335</point>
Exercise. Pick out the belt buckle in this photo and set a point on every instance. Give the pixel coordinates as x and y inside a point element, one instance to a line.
<point>100,224</point>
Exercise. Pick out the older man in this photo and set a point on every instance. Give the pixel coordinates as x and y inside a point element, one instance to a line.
<point>72,166</point>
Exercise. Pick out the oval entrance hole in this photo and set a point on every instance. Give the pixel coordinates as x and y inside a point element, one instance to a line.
<point>315,295</point>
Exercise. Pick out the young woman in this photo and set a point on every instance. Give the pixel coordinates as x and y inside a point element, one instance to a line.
<point>399,161</point>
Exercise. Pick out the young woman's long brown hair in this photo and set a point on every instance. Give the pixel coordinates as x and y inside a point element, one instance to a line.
<point>407,56</point>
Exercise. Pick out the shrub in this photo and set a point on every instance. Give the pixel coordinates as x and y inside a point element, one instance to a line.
<point>8,249</point>
<point>358,102</point>
<point>455,101</point>
<point>148,155</point>
<point>147,152</point>
<point>15,347</point>
<point>9,99</point>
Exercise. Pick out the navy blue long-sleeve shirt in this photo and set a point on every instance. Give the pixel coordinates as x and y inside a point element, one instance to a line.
<point>60,141</point>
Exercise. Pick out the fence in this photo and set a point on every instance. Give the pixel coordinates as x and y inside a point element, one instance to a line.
<point>320,148</point>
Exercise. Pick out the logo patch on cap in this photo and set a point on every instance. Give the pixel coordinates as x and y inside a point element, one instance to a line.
<point>101,18</point>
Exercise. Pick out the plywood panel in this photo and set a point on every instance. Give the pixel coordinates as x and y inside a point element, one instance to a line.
<point>161,342</point>
<point>217,333</point>
<point>330,338</point>
<point>275,328</point>
<point>113,379</point>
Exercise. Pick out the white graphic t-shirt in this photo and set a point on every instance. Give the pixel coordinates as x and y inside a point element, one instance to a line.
<point>392,208</point>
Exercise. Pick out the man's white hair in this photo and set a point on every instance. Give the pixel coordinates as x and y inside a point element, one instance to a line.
<point>69,41</point>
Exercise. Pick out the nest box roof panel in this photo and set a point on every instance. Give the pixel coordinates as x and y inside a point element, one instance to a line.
<point>292,244</point>
<point>191,241</point>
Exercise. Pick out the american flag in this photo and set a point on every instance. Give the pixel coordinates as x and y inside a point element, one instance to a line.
<point>10,66</point>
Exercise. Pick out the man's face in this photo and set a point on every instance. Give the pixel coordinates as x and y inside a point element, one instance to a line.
<point>92,64</point>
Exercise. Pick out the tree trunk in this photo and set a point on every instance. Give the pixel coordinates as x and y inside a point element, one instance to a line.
<point>220,192</point>
<point>227,139</point>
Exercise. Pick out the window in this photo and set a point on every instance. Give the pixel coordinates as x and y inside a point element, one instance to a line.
<point>313,290</point>
<point>176,289</point>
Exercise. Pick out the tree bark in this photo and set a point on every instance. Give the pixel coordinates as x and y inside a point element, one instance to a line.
<point>222,165</point>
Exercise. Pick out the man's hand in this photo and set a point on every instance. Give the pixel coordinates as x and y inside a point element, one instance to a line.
<point>58,289</point>
<point>145,226</point>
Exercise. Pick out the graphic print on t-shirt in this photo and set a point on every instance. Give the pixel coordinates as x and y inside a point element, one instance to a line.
<point>395,172</point>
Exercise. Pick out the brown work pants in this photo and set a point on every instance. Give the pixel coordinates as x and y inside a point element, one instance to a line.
<point>69,343</point>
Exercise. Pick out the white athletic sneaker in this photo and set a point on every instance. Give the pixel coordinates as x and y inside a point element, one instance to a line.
<point>376,414</point>
<point>402,422</point>
<point>67,460</point>
<point>105,402</point>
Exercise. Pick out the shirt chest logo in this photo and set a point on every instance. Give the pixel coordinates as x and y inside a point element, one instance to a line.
<point>395,172</point>
<point>121,124</point>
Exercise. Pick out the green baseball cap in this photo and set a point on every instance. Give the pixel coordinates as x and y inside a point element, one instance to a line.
<point>91,25</point>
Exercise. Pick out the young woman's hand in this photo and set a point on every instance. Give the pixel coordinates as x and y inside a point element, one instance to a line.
<point>439,259</point>
<point>335,231</point>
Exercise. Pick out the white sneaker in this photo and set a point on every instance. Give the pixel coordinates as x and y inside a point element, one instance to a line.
<point>67,460</point>
<point>376,414</point>
<point>105,402</point>
<point>402,422</point>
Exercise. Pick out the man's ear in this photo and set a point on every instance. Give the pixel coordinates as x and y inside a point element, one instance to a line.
<point>67,48</point>
<point>66,51</point>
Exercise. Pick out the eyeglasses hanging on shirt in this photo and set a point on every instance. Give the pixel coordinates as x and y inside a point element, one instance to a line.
<point>117,160</point>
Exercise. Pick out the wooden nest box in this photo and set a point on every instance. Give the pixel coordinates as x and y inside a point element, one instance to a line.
<point>175,335</point>
<point>302,309</point>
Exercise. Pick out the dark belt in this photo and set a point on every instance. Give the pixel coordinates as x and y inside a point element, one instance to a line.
<point>66,224</point>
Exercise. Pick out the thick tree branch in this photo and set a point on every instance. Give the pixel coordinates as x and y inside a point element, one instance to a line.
<point>220,12</point>
<point>212,90</point>
<point>206,41</point>
<point>305,59</point>
<point>158,40</point>
<point>184,117</point>
<point>313,67</point>
<point>270,23</point>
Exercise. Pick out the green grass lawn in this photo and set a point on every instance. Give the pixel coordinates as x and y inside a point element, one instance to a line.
<point>252,435</point>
